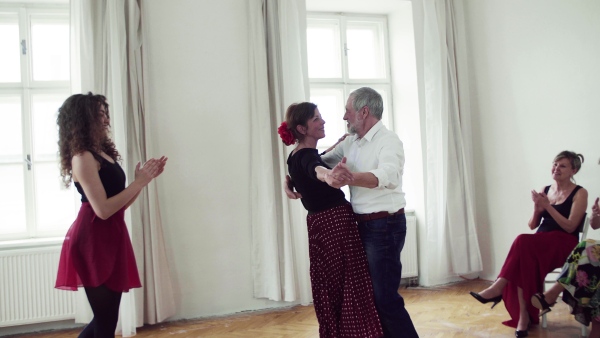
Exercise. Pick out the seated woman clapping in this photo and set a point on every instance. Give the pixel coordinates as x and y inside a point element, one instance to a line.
<point>579,281</point>
<point>558,211</point>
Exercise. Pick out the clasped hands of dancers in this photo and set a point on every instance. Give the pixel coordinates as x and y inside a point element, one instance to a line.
<point>559,214</point>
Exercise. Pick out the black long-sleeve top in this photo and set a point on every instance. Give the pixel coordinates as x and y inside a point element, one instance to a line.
<point>316,195</point>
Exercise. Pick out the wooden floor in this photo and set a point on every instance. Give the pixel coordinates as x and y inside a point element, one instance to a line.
<point>446,311</point>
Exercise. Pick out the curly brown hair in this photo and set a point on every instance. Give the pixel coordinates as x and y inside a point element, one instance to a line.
<point>80,129</point>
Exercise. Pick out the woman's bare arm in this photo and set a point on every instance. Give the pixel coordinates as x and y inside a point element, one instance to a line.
<point>577,212</point>
<point>538,210</point>
<point>85,169</point>
<point>595,219</point>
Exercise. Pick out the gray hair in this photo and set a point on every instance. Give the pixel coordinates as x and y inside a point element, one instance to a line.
<point>368,97</point>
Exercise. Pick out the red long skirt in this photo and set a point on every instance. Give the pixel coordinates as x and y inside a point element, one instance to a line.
<point>339,273</point>
<point>530,259</point>
<point>97,252</point>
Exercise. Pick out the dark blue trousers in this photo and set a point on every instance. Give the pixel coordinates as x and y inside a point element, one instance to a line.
<point>383,240</point>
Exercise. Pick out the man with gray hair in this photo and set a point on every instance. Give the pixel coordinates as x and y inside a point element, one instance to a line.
<point>374,157</point>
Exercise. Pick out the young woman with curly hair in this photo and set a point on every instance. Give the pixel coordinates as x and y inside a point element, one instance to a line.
<point>97,253</point>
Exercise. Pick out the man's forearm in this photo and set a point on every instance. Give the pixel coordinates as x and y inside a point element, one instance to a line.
<point>365,180</point>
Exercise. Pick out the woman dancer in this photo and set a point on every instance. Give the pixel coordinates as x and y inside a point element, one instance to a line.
<point>97,252</point>
<point>341,285</point>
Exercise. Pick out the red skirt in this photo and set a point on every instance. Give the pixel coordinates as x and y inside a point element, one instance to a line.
<point>97,252</point>
<point>339,274</point>
<point>530,259</point>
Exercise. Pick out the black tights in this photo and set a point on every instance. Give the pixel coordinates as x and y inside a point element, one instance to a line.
<point>105,305</point>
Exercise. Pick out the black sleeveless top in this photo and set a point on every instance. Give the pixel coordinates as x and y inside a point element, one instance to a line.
<point>111,175</point>
<point>548,223</point>
<point>316,195</point>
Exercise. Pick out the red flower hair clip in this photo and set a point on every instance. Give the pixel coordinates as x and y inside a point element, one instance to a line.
<point>286,135</point>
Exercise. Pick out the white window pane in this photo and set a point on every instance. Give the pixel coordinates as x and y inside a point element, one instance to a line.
<point>324,52</point>
<point>50,49</point>
<point>11,137</point>
<point>55,205</point>
<point>12,199</point>
<point>10,64</point>
<point>331,103</point>
<point>45,131</point>
<point>365,51</point>
<point>385,118</point>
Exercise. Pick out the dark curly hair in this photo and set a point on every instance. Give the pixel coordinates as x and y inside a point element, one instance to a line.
<point>80,129</point>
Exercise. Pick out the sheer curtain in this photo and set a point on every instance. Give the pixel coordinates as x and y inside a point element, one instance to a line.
<point>278,77</point>
<point>452,246</point>
<point>106,52</point>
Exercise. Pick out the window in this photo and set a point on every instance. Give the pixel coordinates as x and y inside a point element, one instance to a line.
<point>346,52</point>
<point>34,81</point>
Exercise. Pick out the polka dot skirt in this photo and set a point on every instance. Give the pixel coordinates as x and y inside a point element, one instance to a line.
<point>339,273</point>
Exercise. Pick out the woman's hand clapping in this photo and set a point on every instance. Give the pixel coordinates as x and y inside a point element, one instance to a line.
<point>596,208</point>
<point>150,170</point>
<point>540,201</point>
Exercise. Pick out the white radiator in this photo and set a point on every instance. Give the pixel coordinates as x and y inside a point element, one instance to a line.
<point>408,256</point>
<point>27,293</point>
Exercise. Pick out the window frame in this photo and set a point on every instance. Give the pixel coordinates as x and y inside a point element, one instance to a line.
<point>343,19</point>
<point>347,84</point>
<point>27,89</point>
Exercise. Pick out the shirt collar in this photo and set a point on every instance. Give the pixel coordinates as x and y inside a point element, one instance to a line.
<point>371,133</point>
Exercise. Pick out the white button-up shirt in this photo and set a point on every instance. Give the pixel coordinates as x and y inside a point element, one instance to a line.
<point>379,152</point>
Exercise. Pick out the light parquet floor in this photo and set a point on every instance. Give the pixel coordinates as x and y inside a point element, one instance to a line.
<point>446,311</point>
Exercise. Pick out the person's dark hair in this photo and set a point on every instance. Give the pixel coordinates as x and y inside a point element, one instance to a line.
<point>80,129</point>
<point>369,97</point>
<point>575,159</point>
<point>298,114</point>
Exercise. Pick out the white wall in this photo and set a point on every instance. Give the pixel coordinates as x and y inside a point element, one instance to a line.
<point>535,80</point>
<point>198,73</point>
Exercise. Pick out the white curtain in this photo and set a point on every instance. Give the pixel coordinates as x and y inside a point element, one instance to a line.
<point>106,51</point>
<point>278,77</point>
<point>452,246</point>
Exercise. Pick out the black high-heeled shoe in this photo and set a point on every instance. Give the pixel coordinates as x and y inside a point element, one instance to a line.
<point>538,300</point>
<point>482,300</point>
<point>523,333</point>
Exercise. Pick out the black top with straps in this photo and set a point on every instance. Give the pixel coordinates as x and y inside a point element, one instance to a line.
<point>111,175</point>
<point>548,223</point>
<point>316,195</point>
